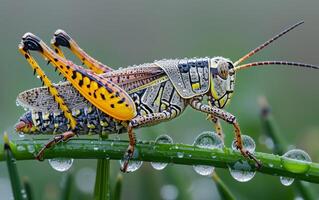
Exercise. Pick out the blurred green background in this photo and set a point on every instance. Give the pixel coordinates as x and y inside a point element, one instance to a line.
<point>122,33</point>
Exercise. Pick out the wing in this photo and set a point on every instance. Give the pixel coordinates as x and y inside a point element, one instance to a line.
<point>131,79</point>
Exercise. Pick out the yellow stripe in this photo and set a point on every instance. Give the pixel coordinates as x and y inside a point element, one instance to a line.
<point>52,89</point>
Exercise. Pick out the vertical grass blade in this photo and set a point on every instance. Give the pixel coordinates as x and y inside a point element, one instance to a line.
<point>102,182</point>
<point>28,188</point>
<point>67,187</point>
<point>12,169</point>
<point>280,146</point>
<point>223,190</point>
<point>270,127</point>
<point>102,179</point>
<point>118,187</point>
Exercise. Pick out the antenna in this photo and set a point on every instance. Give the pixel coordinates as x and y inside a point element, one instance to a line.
<point>288,63</point>
<point>262,46</point>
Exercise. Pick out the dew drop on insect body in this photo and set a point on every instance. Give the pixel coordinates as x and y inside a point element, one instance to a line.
<point>294,154</point>
<point>162,139</point>
<point>61,164</point>
<point>207,140</point>
<point>241,170</point>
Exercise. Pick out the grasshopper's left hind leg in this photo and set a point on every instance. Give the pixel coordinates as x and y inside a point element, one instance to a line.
<point>54,92</point>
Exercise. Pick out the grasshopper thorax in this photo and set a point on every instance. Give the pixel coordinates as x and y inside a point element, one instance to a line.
<point>222,81</point>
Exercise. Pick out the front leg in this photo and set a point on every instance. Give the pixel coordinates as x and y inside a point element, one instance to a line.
<point>229,118</point>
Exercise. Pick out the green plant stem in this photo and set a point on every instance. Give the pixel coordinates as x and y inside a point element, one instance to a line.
<point>280,145</point>
<point>102,178</point>
<point>170,153</point>
<point>13,171</point>
<point>118,187</point>
<point>28,188</point>
<point>223,190</point>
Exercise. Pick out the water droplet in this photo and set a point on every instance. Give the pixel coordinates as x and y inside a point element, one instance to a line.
<point>207,140</point>
<point>38,76</point>
<point>162,139</point>
<point>95,148</point>
<point>248,143</point>
<point>269,143</point>
<point>241,171</point>
<point>271,165</point>
<point>24,194</point>
<point>31,148</point>
<point>204,170</point>
<point>287,161</point>
<point>61,164</point>
<point>84,180</point>
<point>21,148</point>
<point>133,165</point>
<point>169,192</point>
<point>180,154</point>
<point>286,181</point>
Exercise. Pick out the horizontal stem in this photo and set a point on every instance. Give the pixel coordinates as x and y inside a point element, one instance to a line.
<point>25,149</point>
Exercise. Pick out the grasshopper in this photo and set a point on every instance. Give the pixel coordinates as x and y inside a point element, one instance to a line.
<point>103,100</point>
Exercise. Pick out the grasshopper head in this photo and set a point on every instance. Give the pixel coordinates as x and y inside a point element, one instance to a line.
<point>25,124</point>
<point>222,81</point>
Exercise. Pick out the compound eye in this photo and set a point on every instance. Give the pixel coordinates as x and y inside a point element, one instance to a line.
<point>223,70</point>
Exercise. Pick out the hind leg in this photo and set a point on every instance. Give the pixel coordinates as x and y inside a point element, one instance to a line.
<point>61,38</point>
<point>58,99</point>
<point>99,91</point>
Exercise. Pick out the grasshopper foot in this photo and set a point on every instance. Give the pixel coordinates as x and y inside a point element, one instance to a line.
<point>248,154</point>
<point>127,157</point>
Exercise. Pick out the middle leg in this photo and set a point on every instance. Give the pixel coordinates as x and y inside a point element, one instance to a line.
<point>217,125</point>
<point>144,120</point>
